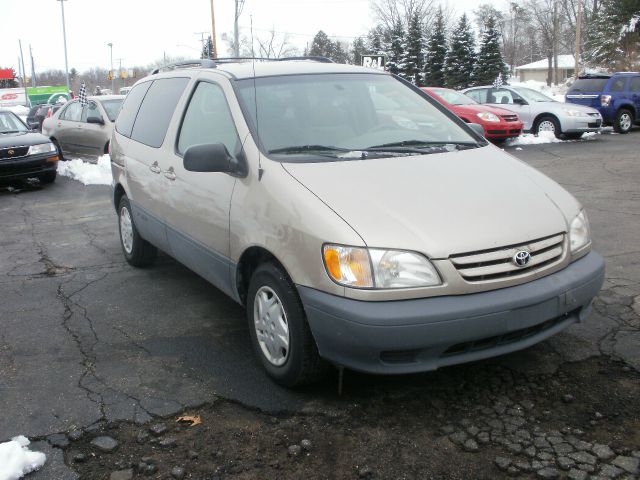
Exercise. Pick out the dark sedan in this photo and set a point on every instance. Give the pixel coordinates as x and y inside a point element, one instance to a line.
<point>23,153</point>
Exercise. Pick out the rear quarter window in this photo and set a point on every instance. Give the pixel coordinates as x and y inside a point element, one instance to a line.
<point>130,108</point>
<point>154,115</point>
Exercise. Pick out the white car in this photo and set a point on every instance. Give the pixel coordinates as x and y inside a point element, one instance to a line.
<point>539,112</point>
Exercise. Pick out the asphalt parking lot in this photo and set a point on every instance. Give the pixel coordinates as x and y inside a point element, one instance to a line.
<point>88,343</point>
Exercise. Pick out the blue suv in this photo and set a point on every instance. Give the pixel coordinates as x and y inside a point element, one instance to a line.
<point>616,96</point>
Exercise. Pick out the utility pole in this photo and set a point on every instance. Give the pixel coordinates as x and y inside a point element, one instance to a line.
<point>236,33</point>
<point>556,28</point>
<point>64,36</point>
<point>113,77</point>
<point>120,79</point>
<point>576,70</point>
<point>33,68</point>
<point>214,53</point>
<point>24,75</point>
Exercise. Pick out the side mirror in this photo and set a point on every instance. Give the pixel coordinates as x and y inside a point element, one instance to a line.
<point>96,120</point>
<point>477,128</point>
<point>520,101</point>
<point>209,157</point>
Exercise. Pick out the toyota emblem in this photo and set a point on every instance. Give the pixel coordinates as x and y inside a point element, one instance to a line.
<point>522,258</point>
<point>11,152</point>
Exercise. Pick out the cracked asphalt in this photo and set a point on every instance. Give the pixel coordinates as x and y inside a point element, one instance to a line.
<point>88,341</point>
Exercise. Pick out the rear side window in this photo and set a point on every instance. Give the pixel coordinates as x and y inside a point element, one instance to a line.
<point>618,85</point>
<point>634,86</point>
<point>72,113</point>
<point>130,108</point>
<point>588,85</point>
<point>156,110</point>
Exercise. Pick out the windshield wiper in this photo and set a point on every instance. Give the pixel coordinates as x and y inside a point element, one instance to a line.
<point>309,148</point>
<point>421,146</point>
<point>10,131</point>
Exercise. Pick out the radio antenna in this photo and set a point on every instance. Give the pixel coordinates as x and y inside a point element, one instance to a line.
<point>255,99</point>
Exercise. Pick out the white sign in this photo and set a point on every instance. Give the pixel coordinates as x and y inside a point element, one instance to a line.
<point>373,61</point>
<point>11,97</point>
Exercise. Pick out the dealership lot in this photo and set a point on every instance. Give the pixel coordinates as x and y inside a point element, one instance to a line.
<point>86,339</point>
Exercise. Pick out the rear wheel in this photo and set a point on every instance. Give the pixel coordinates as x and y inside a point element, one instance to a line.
<point>137,251</point>
<point>279,330</point>
<point>48,177</point>
<point>547,123</point>
<point>623,121</point>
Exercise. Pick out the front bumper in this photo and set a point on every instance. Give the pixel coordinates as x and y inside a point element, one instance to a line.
<point>26,167</point>
<point>502,130</point>
<point>581,124</point>
<point>424,334</point>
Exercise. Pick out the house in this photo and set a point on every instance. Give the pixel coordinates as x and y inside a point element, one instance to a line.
<point>539,70</point>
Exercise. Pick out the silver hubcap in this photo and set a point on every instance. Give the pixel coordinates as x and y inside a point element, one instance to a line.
<point>625,121</point>
<point>272,328</point>
<point>126,230</point>
<point>546,126</point>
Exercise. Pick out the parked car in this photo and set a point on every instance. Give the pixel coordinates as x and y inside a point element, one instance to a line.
<point>616,96</point>
<point>31,120</point>
<point>39,113</point>
<point>498,123</point>
<point>539,112</point>
<point>357,219</point>
<point>84,129</point>
<point>23,153</point>
<point>125,90</point>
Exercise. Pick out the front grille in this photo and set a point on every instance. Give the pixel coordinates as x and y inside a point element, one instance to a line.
<point>509,118</point>
<point>593,124</point>
<point>13,152</point>
<point>505,339</point>
<point>497,263</point>
<point>497,132</point>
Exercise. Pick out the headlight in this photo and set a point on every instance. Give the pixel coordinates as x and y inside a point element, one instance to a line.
<point>579,232</point>
<point>574,113</point>
<point>42,148</point>
<point>377,268</point>
<point>488,117</point>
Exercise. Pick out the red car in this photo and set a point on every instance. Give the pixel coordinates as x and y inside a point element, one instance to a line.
<point>498,123</point>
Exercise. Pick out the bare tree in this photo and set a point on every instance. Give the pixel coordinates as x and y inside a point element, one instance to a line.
<point>388,12</point>
<point>274,45</point>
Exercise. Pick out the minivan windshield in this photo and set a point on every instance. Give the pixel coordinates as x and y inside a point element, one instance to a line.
<point>344,116</point>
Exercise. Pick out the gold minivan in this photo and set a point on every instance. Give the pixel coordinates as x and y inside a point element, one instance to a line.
<point>359,222</point>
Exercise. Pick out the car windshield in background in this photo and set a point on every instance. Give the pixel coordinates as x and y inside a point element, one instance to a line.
<point>9,123</point>
<point>454,98</point>
<point>588,85</point>
<point>112,107</point>
<point>343,116</point>
<point>532,96</point>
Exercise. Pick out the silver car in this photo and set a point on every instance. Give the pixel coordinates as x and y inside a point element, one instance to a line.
<point>358,221</point>
<point>539,112</point>
<point>84,129</point>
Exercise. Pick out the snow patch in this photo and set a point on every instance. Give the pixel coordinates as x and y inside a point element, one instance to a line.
<point>87,172</point>
<point>530,139</point>
<point>17,460</point>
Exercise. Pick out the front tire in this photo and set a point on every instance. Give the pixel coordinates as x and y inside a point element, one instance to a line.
<point>279,330</point>
<point>137,251</point>
<point>547,123</point>
<point>624,121</point>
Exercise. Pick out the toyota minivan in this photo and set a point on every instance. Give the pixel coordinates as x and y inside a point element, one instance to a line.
<point>358,221</point>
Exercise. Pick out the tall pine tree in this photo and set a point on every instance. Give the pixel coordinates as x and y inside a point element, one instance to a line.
<point>357,50</point>
<point>394,49</point>
<point>461,56</point>
<point>207,48</point>
<point>413,59</point>
<point>436,53</point>
<point>321,46</point>
<point>490,63</point>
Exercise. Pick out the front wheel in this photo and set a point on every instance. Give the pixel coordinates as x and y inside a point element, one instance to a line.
<point>623,121</point>
<point>137,251</point>
<point>279,330</point>
<point>547,123</point>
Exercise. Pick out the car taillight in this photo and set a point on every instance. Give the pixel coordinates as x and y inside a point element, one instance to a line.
<point>605,100</point>
<point>49,112</point>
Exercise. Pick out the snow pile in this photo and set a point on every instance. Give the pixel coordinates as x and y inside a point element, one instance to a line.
<point>530,139</point>
<point>19,110</point>
<point>86,172</point>
<point>17,460</point>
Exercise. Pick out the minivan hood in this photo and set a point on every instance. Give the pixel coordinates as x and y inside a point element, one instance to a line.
<point>438,204</point>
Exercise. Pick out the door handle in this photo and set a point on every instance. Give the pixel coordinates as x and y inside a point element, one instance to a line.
<point>155,168</point>
<point>170,174</point>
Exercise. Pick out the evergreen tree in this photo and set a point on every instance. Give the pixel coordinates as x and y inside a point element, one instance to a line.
<point>357,50</point>
<point>394,49</point>
<point>490,63</point>
<point>207,48</point>
<point>338,53</point>
<point>413,55</point>
<point>376,39</point>
<point>461,56</point>
<point>436,53</point>
<point>613,38</point>
<point>321,46</point>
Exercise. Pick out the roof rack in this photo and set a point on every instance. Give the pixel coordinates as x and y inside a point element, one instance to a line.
<point>201,62</point>
<point>214,62</point>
